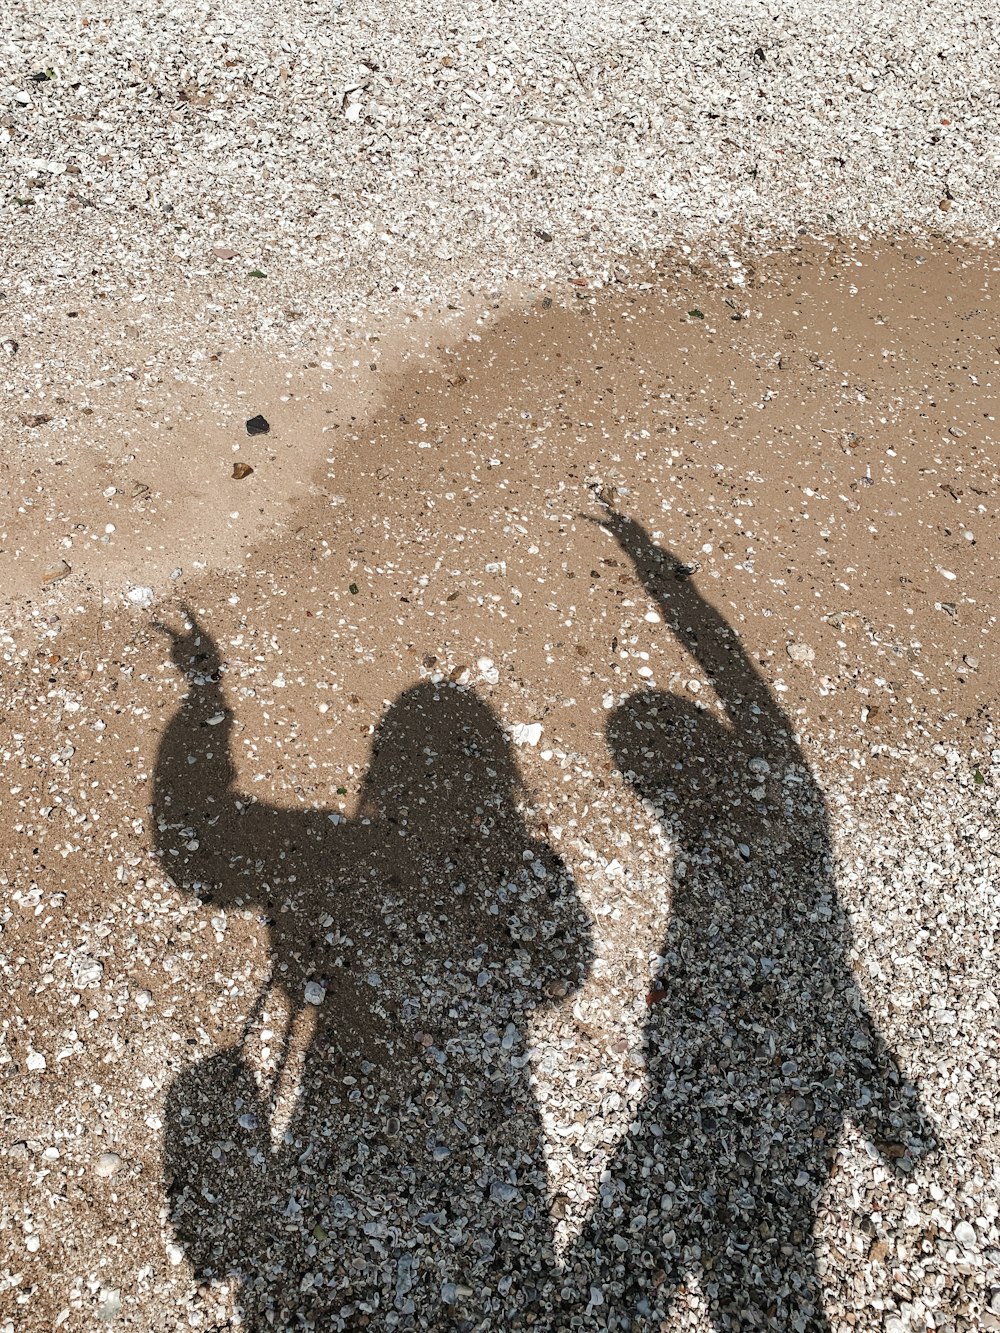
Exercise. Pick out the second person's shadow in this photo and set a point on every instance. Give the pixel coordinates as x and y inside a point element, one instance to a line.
<point>760,1049</point>
<point>409,946</point>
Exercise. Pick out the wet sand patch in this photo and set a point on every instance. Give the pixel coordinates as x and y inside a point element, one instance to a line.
<point>810,443</point>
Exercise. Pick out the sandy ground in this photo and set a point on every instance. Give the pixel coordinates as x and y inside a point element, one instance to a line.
<point>225,698</point>
<point>157,159</point>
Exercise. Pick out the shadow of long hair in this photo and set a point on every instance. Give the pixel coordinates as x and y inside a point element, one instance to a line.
<point>408,947</point>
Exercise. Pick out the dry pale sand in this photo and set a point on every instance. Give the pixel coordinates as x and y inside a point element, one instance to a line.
<point>427,548</point>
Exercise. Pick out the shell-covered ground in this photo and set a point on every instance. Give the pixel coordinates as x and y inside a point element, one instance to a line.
<point>510,839</point>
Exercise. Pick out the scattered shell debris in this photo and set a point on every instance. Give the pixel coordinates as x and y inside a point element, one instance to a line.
<point>139,595</point>
<point>332,1000</point>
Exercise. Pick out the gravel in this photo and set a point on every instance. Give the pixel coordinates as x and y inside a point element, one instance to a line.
<point>358,1203</point>
<point>404,928</point>
<point>161,156</point>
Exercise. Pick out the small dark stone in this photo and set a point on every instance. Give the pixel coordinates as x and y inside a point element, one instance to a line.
<point>258,426</point>
<point>544,235</point>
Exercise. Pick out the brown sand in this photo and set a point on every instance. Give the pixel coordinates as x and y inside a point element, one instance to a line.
<point>819,444</point>
<point>817,447</point>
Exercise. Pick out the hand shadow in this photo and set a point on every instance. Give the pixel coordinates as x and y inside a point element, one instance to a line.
<point>409,1187</point>
<point>759,1046</point>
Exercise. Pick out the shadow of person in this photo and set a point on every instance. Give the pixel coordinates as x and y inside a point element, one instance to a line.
<point>409,946</point>
<point>758,1044</point>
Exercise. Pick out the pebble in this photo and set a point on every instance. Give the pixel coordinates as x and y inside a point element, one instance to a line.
<point>965,1234</point>
<point>315,993</point>
<point>87,972</point>
<point>801,653</point>
<point>109,1303</point>
<point>57,572</point>
<point>488,670</point>
<point>139,596</point>
<point>526,733</point>
<point>107,1165</point>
